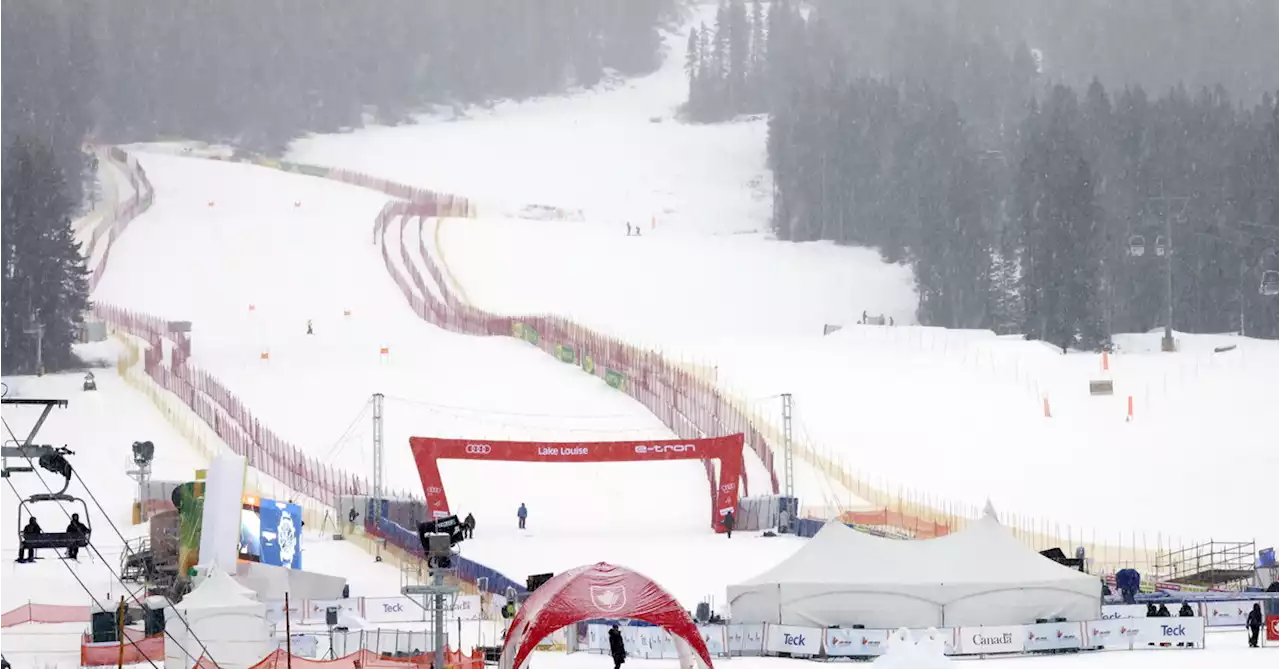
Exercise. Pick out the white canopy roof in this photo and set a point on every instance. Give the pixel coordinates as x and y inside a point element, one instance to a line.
<point>219,591</point>
<point>981,575</point>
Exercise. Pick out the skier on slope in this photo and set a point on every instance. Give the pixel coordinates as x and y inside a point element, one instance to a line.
<point>309,330</point>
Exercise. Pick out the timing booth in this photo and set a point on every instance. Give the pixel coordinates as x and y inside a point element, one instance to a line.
<point>979,576</point>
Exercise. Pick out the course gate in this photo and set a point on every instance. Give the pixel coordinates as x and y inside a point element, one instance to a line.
<point>724,493</point>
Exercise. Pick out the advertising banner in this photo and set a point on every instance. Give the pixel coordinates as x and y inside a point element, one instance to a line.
<point>1171,631</point>
<point>1227,614</point>
<point>1112,633</point>
<point>746,639</point>
<point>717,639</point>
<point>281,534</point>
<point>792,639</point>
<point>316,608</point>
<point>467,607</point>
<point>652,643</point>
<point>1118,611</point>
<point>855,643</point>
<point>1053,636</point>
<point>1273,628</point>
<point>986,640</point>
<point>393,610</point>
<point>275,610</point>
<point>427,453</point>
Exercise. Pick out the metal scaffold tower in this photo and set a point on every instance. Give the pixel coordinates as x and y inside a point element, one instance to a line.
<point>788,455</point>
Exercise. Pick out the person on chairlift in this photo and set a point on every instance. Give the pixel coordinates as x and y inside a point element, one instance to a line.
<point>75,527</point>
<point>32,530</point>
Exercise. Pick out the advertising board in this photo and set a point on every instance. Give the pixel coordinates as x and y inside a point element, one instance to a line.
<point>844,642</point>
<point>792,639</point>
<point>746,639</point>
<point>1053,636</point>
<point>987,640</point>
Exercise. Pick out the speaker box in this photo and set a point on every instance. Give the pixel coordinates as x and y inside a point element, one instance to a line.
<point>535,581</point>
<point>153,621</point>
<point>104,626</point>
<point>331,616</point>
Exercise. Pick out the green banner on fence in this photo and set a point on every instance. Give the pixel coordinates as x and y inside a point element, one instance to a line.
<point>566,354</point>
<point>313,170</point>
<point>531,335</point>
<point>517,329</point>
<point>615,379</point>
<point>588,365</point>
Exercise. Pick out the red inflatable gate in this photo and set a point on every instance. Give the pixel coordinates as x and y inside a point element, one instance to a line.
<point>724,494</point>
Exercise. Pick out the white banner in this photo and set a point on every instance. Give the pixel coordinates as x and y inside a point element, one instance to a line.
<point>986,640</point>
<point>1171,631</point>
<point>1118,611</point>
<point>467,607</point>
<point>275,610</point>
<point>393,610</point>
<point>1114,633</point>
<point>855,642</point>
<point>793,640</point>
<point>316,608</point>
<point>1227,614</point>
<point>746,639</point>
<point>1054,636</point>
<point>717,639</point>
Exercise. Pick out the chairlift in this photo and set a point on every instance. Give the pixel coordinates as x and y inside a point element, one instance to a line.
<point>53,539</point>
<point>1137,246</point>
<point>1270,283</point>
<point>1161,246</point>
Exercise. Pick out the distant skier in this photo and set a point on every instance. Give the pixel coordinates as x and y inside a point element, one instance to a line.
<point>617,648</point>
<point>522,513</point>
<point>309,330</point>
<point>628,228</point>
<point>468,526</point>
<point>728,524</point>
<point>1254,623</point>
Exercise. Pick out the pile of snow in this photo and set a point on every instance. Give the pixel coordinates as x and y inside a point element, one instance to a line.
<point>902,651</point>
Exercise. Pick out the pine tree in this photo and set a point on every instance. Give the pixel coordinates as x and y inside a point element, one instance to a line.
<point>692,66</point>
<point>45,284</point>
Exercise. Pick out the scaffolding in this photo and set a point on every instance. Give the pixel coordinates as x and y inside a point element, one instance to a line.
<point>1215,564</point>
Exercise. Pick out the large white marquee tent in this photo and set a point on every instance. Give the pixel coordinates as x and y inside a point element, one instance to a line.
<point>979,576</point>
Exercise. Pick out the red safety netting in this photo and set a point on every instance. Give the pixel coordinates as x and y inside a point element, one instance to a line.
<point>364,659</point>
<point>138,648</point>
<point>45,613</point>
<point>597,591</point>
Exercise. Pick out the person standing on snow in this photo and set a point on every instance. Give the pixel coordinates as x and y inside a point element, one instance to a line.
<point>522,513</point>
<point>309,330</point>
<point>1254,624</point>
<point>617,648</point>
<point>469,526</point>
<point>728,524</point>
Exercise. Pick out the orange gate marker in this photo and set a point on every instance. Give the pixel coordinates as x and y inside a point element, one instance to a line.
<point>1047,413</point>
<point>1106,362</point>
<point>1129,418</point>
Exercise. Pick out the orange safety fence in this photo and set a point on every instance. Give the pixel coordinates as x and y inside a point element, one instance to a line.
<point>45,613</point>
<point>138,648</point>
<point>364,659</point>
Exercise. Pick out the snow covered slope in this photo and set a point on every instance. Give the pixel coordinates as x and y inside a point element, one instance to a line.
<point>315,262</point>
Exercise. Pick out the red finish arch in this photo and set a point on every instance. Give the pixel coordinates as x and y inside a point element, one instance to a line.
<point>601,590</point>
<point>428,451</point>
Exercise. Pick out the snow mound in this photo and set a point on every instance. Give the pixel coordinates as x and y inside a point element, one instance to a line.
<point>904,652</point>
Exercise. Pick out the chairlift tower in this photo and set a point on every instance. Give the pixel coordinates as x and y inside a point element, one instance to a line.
<point>788,455</point>
<point>143,453</point>
<point>28,450</point>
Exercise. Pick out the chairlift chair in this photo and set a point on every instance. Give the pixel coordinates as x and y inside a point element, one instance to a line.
<point>1137,246</point>
<point>54,539</point>
<point>1161,246</point>
<point>1270,283</point>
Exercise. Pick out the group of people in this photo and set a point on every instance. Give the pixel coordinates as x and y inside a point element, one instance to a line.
<point>27,553</point>
<point>1253,622</point>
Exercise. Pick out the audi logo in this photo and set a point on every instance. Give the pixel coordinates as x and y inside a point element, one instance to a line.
<point>479,449</point>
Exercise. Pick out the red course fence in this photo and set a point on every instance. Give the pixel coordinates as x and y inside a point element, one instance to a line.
<point>689,406</point>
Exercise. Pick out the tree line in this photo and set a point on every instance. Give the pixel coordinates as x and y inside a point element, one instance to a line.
<point>1021,203</point>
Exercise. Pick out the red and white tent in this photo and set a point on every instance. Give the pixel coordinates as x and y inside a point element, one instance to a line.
<point>595,591</point>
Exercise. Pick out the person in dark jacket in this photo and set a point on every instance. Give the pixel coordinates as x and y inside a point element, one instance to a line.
<point>1185,611</point>
<point>522,513</point>
<point>617,649</point>
<point>728,524</point>
<point>468,526</point>
<point>1151,610</point>
<point>75,527</point>
<point>1254,624</point>
<point>32,529</point>
<point>1163,612</point>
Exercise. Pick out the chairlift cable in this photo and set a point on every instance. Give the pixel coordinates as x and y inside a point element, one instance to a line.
<point>90,545</point>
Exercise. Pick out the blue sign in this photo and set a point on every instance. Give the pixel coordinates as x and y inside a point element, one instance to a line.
<point>281,534</point>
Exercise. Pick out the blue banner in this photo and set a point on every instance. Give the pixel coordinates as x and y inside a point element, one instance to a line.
<point>281,534</point>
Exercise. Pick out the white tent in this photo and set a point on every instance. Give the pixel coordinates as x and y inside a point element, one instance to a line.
<point>981,575</point>
<point>221,621</point>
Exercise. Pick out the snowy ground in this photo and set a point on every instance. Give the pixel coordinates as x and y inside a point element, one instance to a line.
<point>968,405</point>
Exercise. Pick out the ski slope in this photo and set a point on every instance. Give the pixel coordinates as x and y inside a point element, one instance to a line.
<point>315,262</point>
<point>956,416</point>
